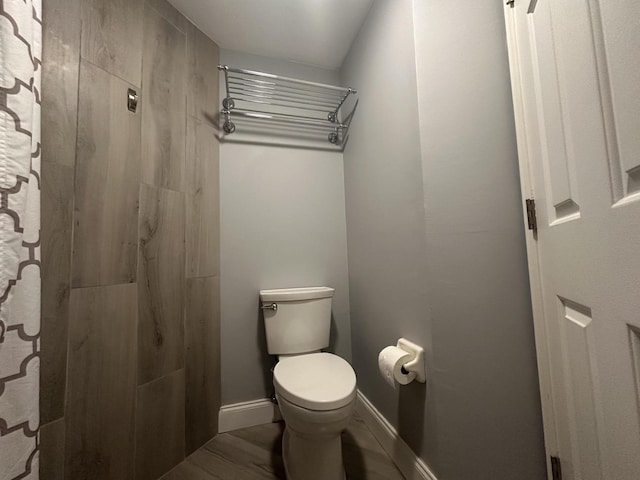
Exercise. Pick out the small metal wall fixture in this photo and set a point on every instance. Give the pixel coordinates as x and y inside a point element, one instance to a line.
<point>132,100</point>
<point>286,101</point>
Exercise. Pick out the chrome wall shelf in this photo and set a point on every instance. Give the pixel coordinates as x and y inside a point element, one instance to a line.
<point>284,101</point>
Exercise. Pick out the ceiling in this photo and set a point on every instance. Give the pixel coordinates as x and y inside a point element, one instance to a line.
<point>316,32</point>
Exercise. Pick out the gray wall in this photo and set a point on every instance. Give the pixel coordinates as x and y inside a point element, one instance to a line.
<point>384,199</point>
<point>282,225</point>
<point>435,236</point>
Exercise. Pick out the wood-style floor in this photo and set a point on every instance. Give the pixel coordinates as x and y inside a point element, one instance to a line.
<point>256,454</point>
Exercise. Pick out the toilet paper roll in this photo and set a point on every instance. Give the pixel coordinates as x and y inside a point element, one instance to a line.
<point>390,363</point>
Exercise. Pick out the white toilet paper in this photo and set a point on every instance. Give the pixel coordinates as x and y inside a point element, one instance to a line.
<point>390,362</point>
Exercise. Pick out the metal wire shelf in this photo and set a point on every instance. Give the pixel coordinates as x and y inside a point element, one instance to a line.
<point>285,100</point>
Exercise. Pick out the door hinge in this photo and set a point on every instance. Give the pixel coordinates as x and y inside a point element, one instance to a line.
<point>556,468</point>
<point>511,3</point>
<point>532,221</point>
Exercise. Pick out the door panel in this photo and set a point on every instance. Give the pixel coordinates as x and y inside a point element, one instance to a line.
<point>576,79</point>
<point>558,152</point>
<point>579,368</point>
<point>617,44</point>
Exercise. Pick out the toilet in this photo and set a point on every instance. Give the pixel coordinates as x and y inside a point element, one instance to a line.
<point>316,391</point>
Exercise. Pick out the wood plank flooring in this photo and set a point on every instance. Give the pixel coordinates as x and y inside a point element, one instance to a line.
<point>256,454</point>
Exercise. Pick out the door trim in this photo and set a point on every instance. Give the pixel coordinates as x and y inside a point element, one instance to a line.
<point>535,280</point>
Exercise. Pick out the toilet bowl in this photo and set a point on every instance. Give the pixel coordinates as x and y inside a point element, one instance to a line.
<point>311,444</point>
<point>316,391</point>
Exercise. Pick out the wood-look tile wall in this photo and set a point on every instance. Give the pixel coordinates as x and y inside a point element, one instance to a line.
<point>130,240</point>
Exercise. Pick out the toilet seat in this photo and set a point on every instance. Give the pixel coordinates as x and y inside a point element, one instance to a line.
<point>316,381</point>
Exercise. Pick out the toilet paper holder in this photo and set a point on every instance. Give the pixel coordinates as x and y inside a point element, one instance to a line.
<point>416,364</point>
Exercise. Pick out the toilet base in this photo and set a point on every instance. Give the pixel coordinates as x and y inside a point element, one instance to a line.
<point>312,458</point>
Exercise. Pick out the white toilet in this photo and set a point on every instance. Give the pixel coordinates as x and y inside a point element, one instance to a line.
<point>316,391</point>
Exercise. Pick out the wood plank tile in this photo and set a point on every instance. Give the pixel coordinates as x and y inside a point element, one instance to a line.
<point>188,470</point>
<point>203,234</point>
<point>203,200</point>
<point>163,111</point>
<point>112,36</point>
<point>60,69</point>
<point>53,367</point>
<point>364,458</point>
<point>56,229</point>
<point>249,454</point>
<point>160,283</point>
<point>268,437</point>
<point>204,465</point>
<point>107,178</point>
<point>360,435</point>
<point>202,363</point>
<point>203,155</point>
<point>160,432</point>
<point>236,458</point>
<point>52,450</point>
<point>256,453</point>
<point>62,22</point>
<point>100,433</point>
<point>169,13</point>
<point>202,95</point>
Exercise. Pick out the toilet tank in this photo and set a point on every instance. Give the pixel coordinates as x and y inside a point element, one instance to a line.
<point>301,322</point>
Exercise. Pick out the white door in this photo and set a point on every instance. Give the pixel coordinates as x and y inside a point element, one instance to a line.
<point>575,68</point>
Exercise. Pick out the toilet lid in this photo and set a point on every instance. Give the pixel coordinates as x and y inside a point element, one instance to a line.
<point>317,381</point>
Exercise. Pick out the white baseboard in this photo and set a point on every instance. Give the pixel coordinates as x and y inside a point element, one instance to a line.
<point>409,464</point>
<point>247,414</point>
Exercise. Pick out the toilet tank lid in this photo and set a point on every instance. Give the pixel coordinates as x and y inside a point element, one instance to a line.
<point>294,294</point>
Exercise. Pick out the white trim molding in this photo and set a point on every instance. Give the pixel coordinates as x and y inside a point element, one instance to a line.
<point>247,414</point>
<point>409,464</point>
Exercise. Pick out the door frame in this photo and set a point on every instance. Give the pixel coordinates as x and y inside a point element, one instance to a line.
<point>524,140</point>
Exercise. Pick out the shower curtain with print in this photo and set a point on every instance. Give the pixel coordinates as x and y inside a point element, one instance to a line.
<point>20,69</point>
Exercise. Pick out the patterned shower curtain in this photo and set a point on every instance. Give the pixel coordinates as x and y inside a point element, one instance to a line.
<point>20,69</point>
